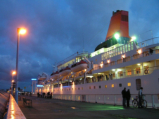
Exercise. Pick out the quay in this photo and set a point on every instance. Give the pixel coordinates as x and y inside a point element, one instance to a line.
<point>43,108</point>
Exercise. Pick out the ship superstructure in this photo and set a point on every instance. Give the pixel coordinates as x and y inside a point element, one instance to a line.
<point>120,61</point>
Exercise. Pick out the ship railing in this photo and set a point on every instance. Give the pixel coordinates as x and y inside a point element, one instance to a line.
<point>128,73</point>
<point>108,53</point>
<point>124,48</point>
<point>119,75</point>
<point>133,72</point>
<point>71,57</point>
<point>148,42</point>
<point>127,59</point>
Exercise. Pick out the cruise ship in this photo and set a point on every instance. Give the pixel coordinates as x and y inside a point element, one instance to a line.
<point>117,63</point>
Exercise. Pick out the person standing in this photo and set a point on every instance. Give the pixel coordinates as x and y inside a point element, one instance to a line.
<point>128,95</point>
<point>140,98</point>
<point>124,96</point>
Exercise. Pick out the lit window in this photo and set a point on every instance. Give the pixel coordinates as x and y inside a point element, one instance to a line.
<point>105,86</point>
<point>129,84</point>
<point>120,73</point>
<point>138,70</point>
<point>82,88</point>
<point>114,75</point>
<point>101,64</point>
<point>78,97</point>
<point>112,85</point>
<point>89,87</point>
<point>129,72</point>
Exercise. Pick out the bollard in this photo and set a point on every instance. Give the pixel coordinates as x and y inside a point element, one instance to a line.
<point>104,99</point>
<point>152,97</point>
<point>114,100</point>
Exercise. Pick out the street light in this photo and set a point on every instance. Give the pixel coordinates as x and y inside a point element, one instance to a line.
<point>20,31</point>
<point>13,73</point>
<point>33,83</point>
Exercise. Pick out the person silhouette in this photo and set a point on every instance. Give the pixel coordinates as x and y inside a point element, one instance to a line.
<point>124,96</point>
<point>128,95</point>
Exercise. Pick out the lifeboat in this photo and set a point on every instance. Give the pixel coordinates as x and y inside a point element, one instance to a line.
<point>65,71</point>
<point>55,75</point>
<point>79,66</point>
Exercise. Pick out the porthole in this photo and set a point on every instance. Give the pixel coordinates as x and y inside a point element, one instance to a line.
<point>120,85</point>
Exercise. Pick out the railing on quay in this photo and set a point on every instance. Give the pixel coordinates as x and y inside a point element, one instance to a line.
<point>112,99</point>
<point>14,112</point>
<point>151,99</point>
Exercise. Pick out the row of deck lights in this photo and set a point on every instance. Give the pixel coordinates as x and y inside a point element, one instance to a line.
<point>123,56</point>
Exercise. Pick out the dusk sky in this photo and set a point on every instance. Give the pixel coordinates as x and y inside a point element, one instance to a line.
<point>57,29</point>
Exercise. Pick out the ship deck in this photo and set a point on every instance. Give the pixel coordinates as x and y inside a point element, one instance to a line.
<point>63,109</point>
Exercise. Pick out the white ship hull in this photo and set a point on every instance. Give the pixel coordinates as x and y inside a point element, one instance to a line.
<point>125,64</point>
<point>111,95</point>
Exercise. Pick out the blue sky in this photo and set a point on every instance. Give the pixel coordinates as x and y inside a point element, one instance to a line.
<point>57,29</point>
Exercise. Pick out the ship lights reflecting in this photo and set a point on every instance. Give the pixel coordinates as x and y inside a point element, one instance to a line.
<point>133,38</point>
<point>61,86</point>
<point>117,36</point>
<point>139,51</point>
<point>123,56</point>
<point>101,64</point>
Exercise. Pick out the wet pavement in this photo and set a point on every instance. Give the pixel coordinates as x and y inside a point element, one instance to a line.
<point>63,109</point>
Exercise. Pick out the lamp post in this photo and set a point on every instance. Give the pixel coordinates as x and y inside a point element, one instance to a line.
<point>19,32</point>
<point>33,83</point>
<point>13,73</point>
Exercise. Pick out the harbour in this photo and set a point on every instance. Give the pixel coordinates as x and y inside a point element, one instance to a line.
<point>43,108</point>
<point>79,59</point>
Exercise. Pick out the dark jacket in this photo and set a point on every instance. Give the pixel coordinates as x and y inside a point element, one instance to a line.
<point>128,95</point>
<point>123,93</point>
